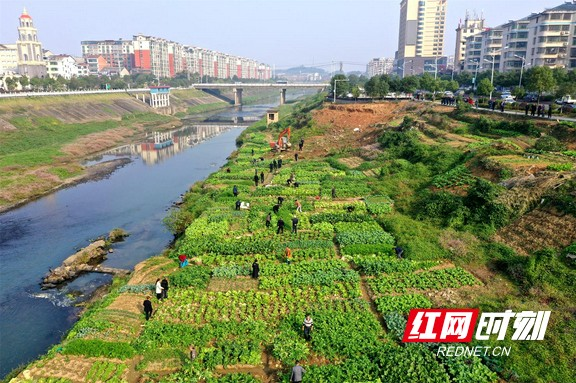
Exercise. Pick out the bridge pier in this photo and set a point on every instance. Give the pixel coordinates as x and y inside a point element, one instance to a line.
<point>282,96</point>
<point>238,96</point>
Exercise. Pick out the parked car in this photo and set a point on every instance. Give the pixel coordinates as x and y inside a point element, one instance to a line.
<point>531,98</point>
<point>448,94</point>
<point>508,98</point>
<point>566,100</point>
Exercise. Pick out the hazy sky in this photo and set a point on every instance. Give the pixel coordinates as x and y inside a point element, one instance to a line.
<point>277,32</point>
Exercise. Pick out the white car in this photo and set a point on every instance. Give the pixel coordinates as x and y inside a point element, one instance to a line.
<point>508,99</point>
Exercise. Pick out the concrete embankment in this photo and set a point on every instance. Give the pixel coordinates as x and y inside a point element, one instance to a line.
<point>45,139</point>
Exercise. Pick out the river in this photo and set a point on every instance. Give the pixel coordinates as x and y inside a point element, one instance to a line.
<point>135,197</point>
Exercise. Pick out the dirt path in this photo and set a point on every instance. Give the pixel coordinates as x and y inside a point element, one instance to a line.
<point>367,297</point>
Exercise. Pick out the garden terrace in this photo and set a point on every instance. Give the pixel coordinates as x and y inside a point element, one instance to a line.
<point>344,270</point>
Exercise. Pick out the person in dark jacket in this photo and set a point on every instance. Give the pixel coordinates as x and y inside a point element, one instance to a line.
<point>275,164</point>
<point>295,225</point>
<point>280,225</point>
<point>533,109</point>
<point>279,163</point>
<point>235,191</point>
<point>255,269</point>
<point>238,203</point>
<point>262,178</point>
<point>164,284</point>
<point>148,308</point>
<point>301,144</point>
<point>256,179</point>
<point>275,209</point>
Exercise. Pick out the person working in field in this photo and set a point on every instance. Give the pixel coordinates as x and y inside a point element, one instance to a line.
<point>148,308</point>
<point>183,260</point>
<point>288,255</point>
<point>255,269</point>
<point>307,326</point>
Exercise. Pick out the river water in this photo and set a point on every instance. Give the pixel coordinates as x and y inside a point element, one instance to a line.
<point>135,197</point>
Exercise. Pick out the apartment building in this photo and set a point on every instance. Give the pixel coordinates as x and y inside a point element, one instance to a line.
<point>117,53</point>
<point>552,37</point>
<point>96,64</point>
<point>378,66</point>
<point>484,50</point>
<point>421,34</point>
<point>8,58</point>
<point>471,26</point>
<point>154,55</point>
<point>61,66</point>
<point>514,45</point>
<point>547,38</point>
<point>164,58</point>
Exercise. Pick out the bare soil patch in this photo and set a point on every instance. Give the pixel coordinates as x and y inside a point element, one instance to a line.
<point>538,230</point>
<point>74,368</point>
<point>340,122</point>
<point>148,271</point>
<point>227,284</point>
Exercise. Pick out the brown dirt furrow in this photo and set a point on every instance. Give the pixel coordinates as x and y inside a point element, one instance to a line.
<point>537,230</point>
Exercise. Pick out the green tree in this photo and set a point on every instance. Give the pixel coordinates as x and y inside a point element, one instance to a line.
<point>382,88</point>
<point>74,84</point>
<point>519,92</point>
<point>11,83</point>
<point>540,79</point>
<point>567,84</point>
<point>427,82</point>
<point>453,85</point>
<point>410,84</point>
<point>356,92</point>
<point>377,86</point>
<point>24,81</point>
<point>395,83</point>
<point>464,77</point>
<point>342,86</point>
<point>485,87</point>
<point>37,83</point>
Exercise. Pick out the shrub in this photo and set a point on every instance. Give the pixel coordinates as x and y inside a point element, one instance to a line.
<point>444,207</point>
<point>549,144</point>
<point>560,167</point>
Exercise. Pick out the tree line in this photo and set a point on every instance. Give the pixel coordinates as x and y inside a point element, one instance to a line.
<point>139,80</point>
<point>557,81</point>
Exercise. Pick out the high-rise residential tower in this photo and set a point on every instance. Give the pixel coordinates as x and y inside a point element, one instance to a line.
<point>421,35</point>
<point>30,58</point>
<point>471,26</point>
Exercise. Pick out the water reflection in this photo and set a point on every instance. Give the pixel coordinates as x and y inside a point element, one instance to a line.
<point>159,146</point>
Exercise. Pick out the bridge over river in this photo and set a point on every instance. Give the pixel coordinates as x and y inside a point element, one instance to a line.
<point>236,87</point>
<point>239,87</point>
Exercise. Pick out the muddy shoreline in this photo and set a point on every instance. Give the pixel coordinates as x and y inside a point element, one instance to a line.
<point>92,173</point>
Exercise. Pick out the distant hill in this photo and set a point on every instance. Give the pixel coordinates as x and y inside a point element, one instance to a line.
<point>301,70</point>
